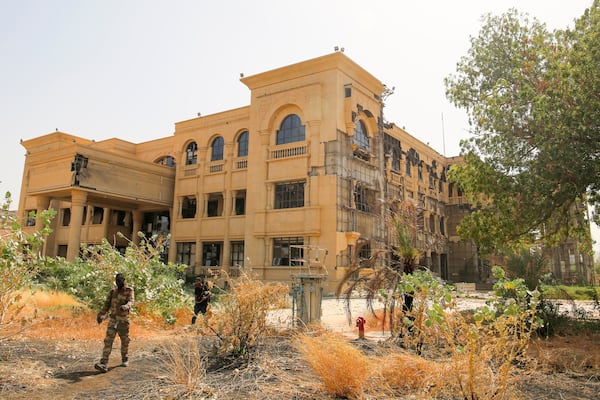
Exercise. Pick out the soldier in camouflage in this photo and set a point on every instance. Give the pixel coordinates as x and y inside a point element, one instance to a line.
<point>116,307</point>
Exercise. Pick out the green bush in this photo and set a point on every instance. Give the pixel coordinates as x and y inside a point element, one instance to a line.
<point>158,286</point>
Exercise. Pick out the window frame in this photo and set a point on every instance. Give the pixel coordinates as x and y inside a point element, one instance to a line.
<point>282,257</point>
<point>290,130</point>
<point>186,250</point>
<point>217,149</point>
<point>361,137</point>
<point>239,206</point>
<point>236,253</point>
<point>189,203</point>
<point>289,194</point>
<point>242,144</point>
<point>191,154</point>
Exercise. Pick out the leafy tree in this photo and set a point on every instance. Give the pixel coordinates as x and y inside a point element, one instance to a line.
<point>533,101</point>
<point>19,257</point>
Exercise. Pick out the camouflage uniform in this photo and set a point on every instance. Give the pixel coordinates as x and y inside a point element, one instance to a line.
<point>118,321</point>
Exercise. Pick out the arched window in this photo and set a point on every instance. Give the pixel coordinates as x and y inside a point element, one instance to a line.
<point>291,130</point>
<point>217,149</point>
<point>360,137</point>
<point>168,161</point>
<point>242,144</point>
<point>191,154</point>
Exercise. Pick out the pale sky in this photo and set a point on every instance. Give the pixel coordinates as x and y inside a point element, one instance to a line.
<point>132,68</point>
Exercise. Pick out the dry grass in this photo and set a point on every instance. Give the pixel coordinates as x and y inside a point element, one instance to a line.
<point>401,370</point>
<point>317,364</point>
<point>183,364</point>
<point>343,369</point>
<point>567,354</point>
<point>57,315</point>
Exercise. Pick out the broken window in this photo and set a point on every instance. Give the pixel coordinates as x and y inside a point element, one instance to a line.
<point>393,150</point>
<point>214,205</point>
<point>364,198</point>
<point>188,207</point>
<point>191,154</point>
<point>211,254</point>
<point>98,215</point>
<point>186,254</point>
<point>282,250</point>
<point>168,161</point>
<point>240,202</point>
<point>30,218</point>
<point>66,216</point>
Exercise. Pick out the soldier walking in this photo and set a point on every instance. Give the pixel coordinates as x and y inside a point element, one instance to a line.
<point>117,306</point>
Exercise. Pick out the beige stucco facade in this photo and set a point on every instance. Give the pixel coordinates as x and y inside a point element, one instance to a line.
<point>287,183</point>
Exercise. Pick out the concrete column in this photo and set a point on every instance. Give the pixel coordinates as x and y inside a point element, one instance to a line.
<point>228,202</point>
<point>137,226</point>
<point>78,199</point>
<point>42,205</point>
<point>105,220</point>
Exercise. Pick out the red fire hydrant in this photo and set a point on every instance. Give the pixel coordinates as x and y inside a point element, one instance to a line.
<point>360,324</point>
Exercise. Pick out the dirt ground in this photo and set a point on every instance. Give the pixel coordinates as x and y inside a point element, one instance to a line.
<point>51,366</point>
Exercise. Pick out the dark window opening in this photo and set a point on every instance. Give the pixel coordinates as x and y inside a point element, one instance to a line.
<point>282,253</point>
<point>61,250</point>
<point>120,217</point>
<point>237,254</point>
<point>393,150</point>
<point>186,254</point>
<point>214,205</point>
<point>168,161</point>
<point>240,202</point>
<point>30,219</point>
<point>211,254</point>
<point>188,207</point>
<point>364,198</point>
<point>66,216</point>
<point>191,154</point>
<point>364,252</point>
<point>97,215</point>
<point>289,195</point>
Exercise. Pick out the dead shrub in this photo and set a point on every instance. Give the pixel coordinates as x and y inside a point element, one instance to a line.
<point>183,364</point>
<point>239,317</point>
<point>343,369</point>
<point>407,371</point>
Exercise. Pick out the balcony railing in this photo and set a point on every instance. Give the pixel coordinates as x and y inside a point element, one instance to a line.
<point>241,164</point>
<point>285,152</point>
<point>214,167</point>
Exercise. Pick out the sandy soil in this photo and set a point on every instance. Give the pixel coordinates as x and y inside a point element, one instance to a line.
<point>39,368</point>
